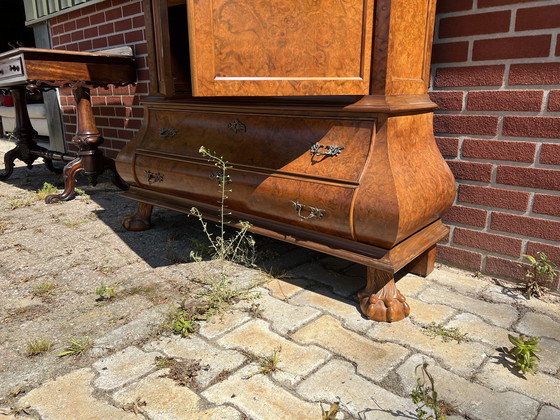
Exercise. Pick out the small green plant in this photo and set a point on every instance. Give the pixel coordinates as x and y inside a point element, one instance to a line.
<point>3,226</point>
<point>183,319</point>
<point>331,413</point>
<point>46,189</point>
<point>38,346</point>
<point>267,363</point>
<point>540,273</point>
<point>240,247</point>
<point>164,362</point>
<point>445,333</point>
<point>19,202</point>
<point>425,395</point>
<point>105,292</point>
<point>76,347</point>
<point>523,351</point>
<point>44,289</point>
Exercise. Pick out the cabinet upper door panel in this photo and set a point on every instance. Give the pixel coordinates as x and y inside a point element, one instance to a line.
<point>280,47</point>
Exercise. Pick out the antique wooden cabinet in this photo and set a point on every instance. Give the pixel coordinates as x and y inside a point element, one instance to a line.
<point>320,107</point>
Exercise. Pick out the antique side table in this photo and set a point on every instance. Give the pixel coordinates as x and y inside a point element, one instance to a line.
<point>31,68</point>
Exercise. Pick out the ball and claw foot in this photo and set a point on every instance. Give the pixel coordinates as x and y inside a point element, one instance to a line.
<point>140,220</point>
<point>380,300</point>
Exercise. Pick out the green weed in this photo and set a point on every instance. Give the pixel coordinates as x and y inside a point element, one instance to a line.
<point>105,292</point>
<point>445,333</point>
<point>524,352</point>
<point>425,395</point>
<point>540,273</point>
<point>46,189</point>
<point>267,364</point>
<point>76,347</point>
<point>38,346</point>
<point>44,289</point>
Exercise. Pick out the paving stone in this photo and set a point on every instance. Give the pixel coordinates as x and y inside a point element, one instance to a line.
<point>347,311</point>
<point>495,313</point>
<point>338,381</point>
<point>284,289</point>
<point>539,325</point>
<point>459,280</point>
<point>514,295</point>
<point>165,399</point>
<point>259,398</point>
<point>411,285</point>
<point>548,413</point>
<point>284,317</point>
<point>374,360</point>
<point>194,348</point>
<point>123,367</point>
<point>295,360</point>
<point>219,325</point>
<point>549,361</point>
<point>342,285</point>
<point>68,395</point>
<point>141,326</point>
<point>471,399</point>
<point>463,358</point>
<point>477,329</point>
<point>540,386</point>
<point>426,313</point>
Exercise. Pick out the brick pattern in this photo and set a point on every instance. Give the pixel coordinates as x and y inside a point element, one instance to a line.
<point>495,78</point>
<point>109,24</point>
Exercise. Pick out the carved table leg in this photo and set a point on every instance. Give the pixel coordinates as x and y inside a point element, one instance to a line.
<point>424,263</point>
<point>70,171</point>
<point>24,133</point>
<point>139,220</point>
<point>380,300</point>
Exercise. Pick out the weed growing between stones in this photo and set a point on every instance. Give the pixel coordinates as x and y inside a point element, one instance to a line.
<point>76,347</point>
<point>218,292</point>
<point>105,292</point>
<point>425,396</point>
<point>267,363</point>
<point>44,290</point>
<point>524,352</point>
<point>445,333</point>
<point>331,413</point>
<point>540,273</point>
<point>38,346</point>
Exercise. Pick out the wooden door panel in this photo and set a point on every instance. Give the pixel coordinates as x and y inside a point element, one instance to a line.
<point>280,47</point>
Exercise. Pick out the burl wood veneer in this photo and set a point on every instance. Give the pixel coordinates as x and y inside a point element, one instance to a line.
<point>320,108</point>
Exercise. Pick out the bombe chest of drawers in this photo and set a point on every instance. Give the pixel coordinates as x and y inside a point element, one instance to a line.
<point>321,110</point>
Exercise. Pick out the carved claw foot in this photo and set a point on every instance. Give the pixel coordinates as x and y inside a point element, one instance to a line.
<point>140,220</point>
<point>380,300</point>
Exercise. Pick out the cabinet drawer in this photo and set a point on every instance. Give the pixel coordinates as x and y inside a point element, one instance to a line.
<point>333,149</point>
<point>314,205</point>
<point>12,70</point>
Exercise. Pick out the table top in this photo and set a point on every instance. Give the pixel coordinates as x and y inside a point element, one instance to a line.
<point>42,67</point>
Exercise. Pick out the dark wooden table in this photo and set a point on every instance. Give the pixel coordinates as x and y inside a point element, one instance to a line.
<point>26,69</point>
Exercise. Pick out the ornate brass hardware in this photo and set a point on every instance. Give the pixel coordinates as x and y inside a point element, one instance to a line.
<point>167,132</point>
<point>313,211</point>
<point>331,150</point>
<point>153,177</point>
<point>236,126</point>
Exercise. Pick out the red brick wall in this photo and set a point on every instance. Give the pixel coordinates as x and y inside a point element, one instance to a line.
<point>112,23</point>
<point>496,80</point>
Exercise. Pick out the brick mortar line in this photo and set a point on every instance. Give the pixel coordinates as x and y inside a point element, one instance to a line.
<point>475,10</point>
<point>525,33</point>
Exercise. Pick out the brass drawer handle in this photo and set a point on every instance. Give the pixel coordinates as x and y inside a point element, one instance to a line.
<point>313,211</point>
<point>331,150</point>
<point>167,132</point>
<point>236,126</point>
<point>153,177</point>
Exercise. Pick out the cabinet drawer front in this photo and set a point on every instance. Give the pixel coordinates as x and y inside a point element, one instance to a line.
<point>12,70</point>
<point>333,149</point>
<point>313,205</point>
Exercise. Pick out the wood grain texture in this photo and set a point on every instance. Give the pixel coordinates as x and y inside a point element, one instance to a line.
<point>278,47</point>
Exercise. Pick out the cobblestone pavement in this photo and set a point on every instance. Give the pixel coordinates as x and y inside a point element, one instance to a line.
<point>53,258</point>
